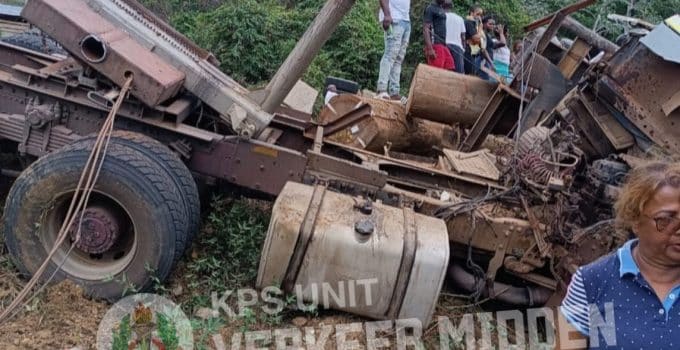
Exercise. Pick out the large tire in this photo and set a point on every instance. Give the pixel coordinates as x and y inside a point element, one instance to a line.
<point>173,166</point>
<point>35,41</point>
<point>136,191</point>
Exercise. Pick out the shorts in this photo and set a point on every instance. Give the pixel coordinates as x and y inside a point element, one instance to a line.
<point>444,59</point>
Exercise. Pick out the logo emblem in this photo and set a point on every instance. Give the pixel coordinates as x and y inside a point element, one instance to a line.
<point>145,322</point>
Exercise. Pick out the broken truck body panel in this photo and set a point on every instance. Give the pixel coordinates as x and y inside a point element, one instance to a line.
<point>203,78</point>
<point>106,48</point>
<point>526,213</point>
<point>638,84</point>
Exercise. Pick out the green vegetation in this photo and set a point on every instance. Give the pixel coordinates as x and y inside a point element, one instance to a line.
<point>251,38</point>
<point>226,254</point>
<point>167,332</point>
<point>122,336</point>
<point>228,248</point>
<point>12,2</point>
<point>203,330</point>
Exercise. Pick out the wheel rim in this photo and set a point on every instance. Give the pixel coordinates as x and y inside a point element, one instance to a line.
<point>106,237</point>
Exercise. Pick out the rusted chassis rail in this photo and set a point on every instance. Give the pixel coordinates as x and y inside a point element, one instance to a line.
<point>41,110</point>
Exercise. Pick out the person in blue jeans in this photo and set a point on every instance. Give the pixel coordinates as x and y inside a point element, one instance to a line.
<point>394,16</point>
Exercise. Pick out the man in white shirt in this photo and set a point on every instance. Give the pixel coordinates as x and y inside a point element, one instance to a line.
<point>455,37</point>
<point>394,15</point>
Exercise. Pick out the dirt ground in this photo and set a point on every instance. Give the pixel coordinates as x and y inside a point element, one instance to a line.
<point>60,319</point>
<point>63,318</point>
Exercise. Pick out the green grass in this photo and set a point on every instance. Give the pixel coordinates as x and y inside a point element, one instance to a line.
<point>229,247</point>
<point>12,2</point>
<point>226,253</point>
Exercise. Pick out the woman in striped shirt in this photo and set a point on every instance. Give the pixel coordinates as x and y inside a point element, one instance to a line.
<point>627,300</point>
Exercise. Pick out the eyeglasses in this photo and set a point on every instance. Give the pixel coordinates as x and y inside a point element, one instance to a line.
<point>666,224</point>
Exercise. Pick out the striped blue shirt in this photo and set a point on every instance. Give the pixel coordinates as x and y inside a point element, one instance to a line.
<point>611,303</point>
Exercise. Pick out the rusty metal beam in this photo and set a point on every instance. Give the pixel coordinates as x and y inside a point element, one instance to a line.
<point>106,47</point>
<point>549,33</point>
<point>547,78</point>
<point>355,116</point>
<point>252,164</point>
<point>573,58</point>
<point>565,11</point>
<point>491,114</point>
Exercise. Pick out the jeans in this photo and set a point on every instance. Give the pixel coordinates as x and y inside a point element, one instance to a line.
<point>483,63</point>
<point>396,42</point>
<point>458,57</point>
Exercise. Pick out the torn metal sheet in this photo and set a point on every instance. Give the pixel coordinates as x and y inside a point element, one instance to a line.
<point>674,22</point>
<point>10,11</point>
<point>664,42</point>
<point>480,163</point>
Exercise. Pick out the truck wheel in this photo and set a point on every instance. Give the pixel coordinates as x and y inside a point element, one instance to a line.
<point>129,228</point>
<point>34,41</point>
<point>173,166</point>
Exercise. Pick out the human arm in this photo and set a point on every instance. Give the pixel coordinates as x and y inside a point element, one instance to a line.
<point>487,58</point>
<point>387,15</point>
<point>427,33</point>
<point>575,304</point>
<point>463,35</point>
<point>428,19</point>
<point>502,40</point>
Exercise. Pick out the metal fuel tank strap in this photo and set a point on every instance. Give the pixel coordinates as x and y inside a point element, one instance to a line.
<point>305,236</point>
<point>406,266</point>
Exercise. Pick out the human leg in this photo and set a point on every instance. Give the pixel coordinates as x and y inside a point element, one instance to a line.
<point>469,64</point>
<point>482,74</point>
<point>459,58</point>
<point>389,56</point>
<point>403,31</point>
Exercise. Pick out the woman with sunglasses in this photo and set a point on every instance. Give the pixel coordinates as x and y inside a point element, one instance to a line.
<point>628,299</point>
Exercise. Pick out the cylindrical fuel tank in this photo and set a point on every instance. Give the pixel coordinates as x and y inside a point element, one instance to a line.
<point>447,97</point>
<point>344,253</point>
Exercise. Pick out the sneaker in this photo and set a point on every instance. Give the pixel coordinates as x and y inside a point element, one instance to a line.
<point>383,95</point>
<point>399,98</point>
<point>395,97</point>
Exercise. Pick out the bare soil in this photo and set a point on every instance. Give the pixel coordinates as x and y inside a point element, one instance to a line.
<point>63,318</point>
<point>60,319</point>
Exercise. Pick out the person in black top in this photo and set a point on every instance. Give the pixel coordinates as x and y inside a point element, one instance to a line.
<point>491,44</point>
<point>434,32</point>
<point>472,40</point>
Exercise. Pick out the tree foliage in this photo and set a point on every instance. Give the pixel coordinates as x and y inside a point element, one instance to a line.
<point>595,17</point>
<point>251,38</point>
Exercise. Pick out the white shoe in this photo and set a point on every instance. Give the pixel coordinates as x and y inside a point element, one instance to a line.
<point>383,95</point>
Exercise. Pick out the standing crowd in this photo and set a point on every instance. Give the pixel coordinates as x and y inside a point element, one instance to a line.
<point>474,45</point>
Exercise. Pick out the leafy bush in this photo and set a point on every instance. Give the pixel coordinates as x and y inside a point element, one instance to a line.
<point>252,38</point>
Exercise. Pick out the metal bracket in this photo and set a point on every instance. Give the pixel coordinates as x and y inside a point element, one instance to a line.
<point>539,233</point>
<point>407,260</point>
<point>305,236</point>
<point>497,261</point>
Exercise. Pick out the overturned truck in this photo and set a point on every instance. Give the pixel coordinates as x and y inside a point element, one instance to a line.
<point>504,198</point>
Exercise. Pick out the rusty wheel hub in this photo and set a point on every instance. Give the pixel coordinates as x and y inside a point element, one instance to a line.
<point>98,230</point>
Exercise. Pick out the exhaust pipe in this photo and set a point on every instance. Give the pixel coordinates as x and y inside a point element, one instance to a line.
<point>93,49</point>
<point>518,296</point>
